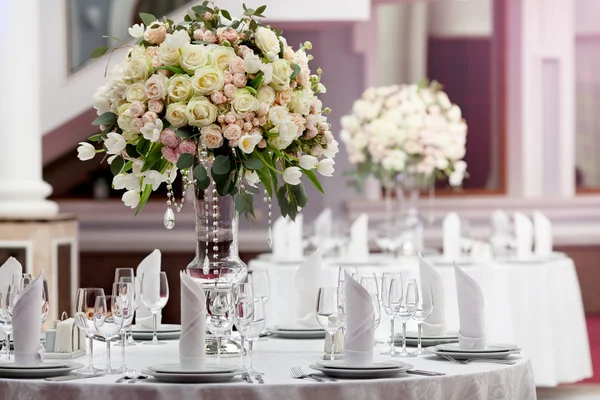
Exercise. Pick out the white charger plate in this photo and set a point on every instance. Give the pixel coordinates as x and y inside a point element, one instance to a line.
<point>208,368</point>
<point>361,373</point>
<point>286,334</point>
<point>342,364</point>
<point>295,329</point>
<point>192,378</point>
<point>161,328</point>
<point>38,373</point>
<point>160,335</point>
<point>489,348</point>
<point>464,356</point>
<point>43,365</point>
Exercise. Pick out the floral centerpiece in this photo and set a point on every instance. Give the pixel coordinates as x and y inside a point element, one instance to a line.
<point>229,104</point>
<point>406,129</point>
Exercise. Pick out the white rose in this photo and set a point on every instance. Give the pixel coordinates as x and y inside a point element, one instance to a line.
<point>176,115</point>
<point>211,136</point>
<point>85,151</point>
<point>282,71</point>
<point>131,198</point>
<point>221,56</point>
<point>151,131</point>
<point>114,143</point>
<point>136,92</point>
<point>201,112</point>
<point>267,40</point>
<point>247,143</point>
<point>350,122</point>
<point>441,163</point>
<point>193,56</point>
<point>138,68</point>
<point>278,115</point>
<point>168,56</point>
<point>331,150</point>
<point>101,100</point>
<point>177,39</point>
<point>279,143</point>
<point>156,87</point>
<point>267,70</point>
<point>207,80</point>
<point>308,162</point>
<point>126,181</point>
<point>266,94</point>
<point>292,175</point>
<point>443,100</point>
<point>252,63</point>
<point>325,167</point>
<point>454,114</point>
<point>455,179</point>
<point>288,131</point>
<point>301,101</point>
<point>243,102</point>
<point>180,88</point>
<point>460,166</point>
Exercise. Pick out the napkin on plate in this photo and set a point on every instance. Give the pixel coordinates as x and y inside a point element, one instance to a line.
<point>192,351</point>
<point>524,235</point>
<point>10,268</point>
<point>359,237</point>
<point>27,322</point>
<point>150,266</point>
<point>279,238</point>
<point>543,234</point>
<point>307,282</point>
<point>324,225</point>
<point>451,236</point>
<point>435,324</point>
<point>471,334</point>
<point>295,248</point>
<point>360,324</point>
<point>502,237</point>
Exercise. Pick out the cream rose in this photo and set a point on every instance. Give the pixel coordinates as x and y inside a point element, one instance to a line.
<point>201,112</point>
<point>137,109</point>
<point>267,41</point>
<point>288,131</point>
<point>301,101</point>
<point>278,115</point>
<point>208,79</point>
<point>138,68</point>
<point>180,88</point>
<point>125,118</point>
<point>283,97</point>
<point>232,132</point>
<point>266,94</point>
<point>252,63</point>
<point>221,57</point>
<point>176,115</point>
<point>282,71</point>
<point>156,87</point>
<point>156,35</point>
<point>136,92</point>
<point>156,106</point>
<point>193,56</point>
<point>211,136</point>
<point>244,102</point>
<point>167,55</point>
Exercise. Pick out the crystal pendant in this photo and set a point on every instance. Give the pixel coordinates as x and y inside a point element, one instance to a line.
<point>169,218</point>
<point>206,267</point>
<point>270,237</point>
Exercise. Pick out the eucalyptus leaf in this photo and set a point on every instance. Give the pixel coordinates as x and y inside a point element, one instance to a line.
<point>200,172</point>
<point>240,203</point>
<point>99,51</point>
<point>312,177</point>
<point>261,9</point>
<point>95,138</point>
<point>183,133</point>
<point>147,19</point>
<point>185,161</point>
<point>226,14</point>
<point>221,165</point>
<point>253,164</point>
<point>108,118</point>
<point>300,195</point>
<point>117,165</point>
<point>131,151</point>
<point>296,69</point>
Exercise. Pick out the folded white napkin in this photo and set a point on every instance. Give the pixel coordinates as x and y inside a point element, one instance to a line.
<point>451,236</point>
<point>471,334</point>
<point>67,338</point>
<point>192,352</point>
<point>324,225</point>
<point>295,248</point>
<point>10,268</point>
<point>279,237</point>
<point>524,235</point>
<point>360,324</point>
<point>502,236</point>
<point>359,237</point>
<point>435,324</point>
<point>150,267</point>
<point>307,282</point>
<point>27,322</point>
<point>543,234</point>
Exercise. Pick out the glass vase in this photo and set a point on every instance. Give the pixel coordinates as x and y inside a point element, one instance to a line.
<point>410,187</point>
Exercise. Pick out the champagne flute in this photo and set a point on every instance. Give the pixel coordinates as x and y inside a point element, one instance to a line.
<point>253,329</point>
<point>424,308</point>
<point>331,313</point>
<point>385,300</point>
<point>108,320</point>
<point>121,273</point>
<point>154,290</point>
<point>259,279</point>
<point>244,312</point>
<point>84,315</point>
<point>45,302</point>
<point>124,307</point>
<point>404,304</point>
<point>135,282</point>
<point>220,311</point>
<point>6,312</point>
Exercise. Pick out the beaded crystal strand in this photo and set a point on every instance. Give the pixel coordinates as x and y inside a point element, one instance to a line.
<point>169,219</point>
<point>267,200</point>
<point>206,263</point>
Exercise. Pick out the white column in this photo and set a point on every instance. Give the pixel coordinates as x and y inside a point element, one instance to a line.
<point>22,191</point>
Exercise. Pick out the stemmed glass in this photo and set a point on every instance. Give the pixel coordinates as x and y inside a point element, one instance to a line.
<point>6,312</point>
<point>260,283</point>
<point>331,312</point>
<point>45,301</point>
<point>84,318</point>
<point>219,312</point>
<point>135,282</point>
<point>22,280</point>
<point>424,308</point>
<point>244,312</point>
<point>108,320</point>
<point>154,290</point>
<point>124,307</point>
<point>404,304</point>
<point>385,300</point>
<point>253,329</point>
<point>370,284</point>
<point>121,273</point>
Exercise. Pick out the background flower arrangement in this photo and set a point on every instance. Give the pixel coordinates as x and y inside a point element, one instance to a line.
<point>411,129</point>
<point>215,98</point>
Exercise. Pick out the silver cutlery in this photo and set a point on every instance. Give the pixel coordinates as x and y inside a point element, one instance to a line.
<point>297,373</point>
<point>484,360</point>
<point>246,376</point>
<point>72,377</point>
<point>423,372</point>
<point>137,378</point>
<point>129,374</point>
<point>321,376</point>
<point>259,378</point>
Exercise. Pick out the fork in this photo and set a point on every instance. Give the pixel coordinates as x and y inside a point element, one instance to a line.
<point>485,360</point>
<point>137,378</point>
<point>129,374</point>
<point>297,373</point>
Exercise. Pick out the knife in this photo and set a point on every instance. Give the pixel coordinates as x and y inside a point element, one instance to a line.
<point>422,372</point>
<point>72,377</point>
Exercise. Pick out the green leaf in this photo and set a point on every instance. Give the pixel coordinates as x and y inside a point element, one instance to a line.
<point>253,164</point>
<point>142,146</point>
<point>265,178</point>
<point>296,69</point>
<point>147,19</point>
<point>235,24</point>
<point>252,190</point>
<point>257,81</point>
<point>253,25</point>
<point>312,177</point>
<point>95,138</point>
<point>200,172</point>
<point>281,49</point>
<point>185,161</point>
<point>131,151</point>
<point>175,70</point>
<point>249,11</point>
<point>261,9</point>
<point>184,133</point>
<point>282,200</point>
<point>226,15</point>
<point>221,165</point>
<point>144,198</point>
<point>117,165</point>
<point>99,52</point>
<point>300,195</point>
<point>251,90</point>
<point>108,118</point>
<point>244,6</point>
<point>153,157</point>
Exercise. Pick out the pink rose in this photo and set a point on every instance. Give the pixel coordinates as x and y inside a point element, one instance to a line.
<point>152,51</point>
<point>137,109</point>
<point>156,87</point>
<point>316,151</point>
<point>218,98</point>
<point>311,121</point>
<point>186,147</point>
<point>229,119</point>
<point>149,117</point>
<point>237,66</point>
<point>239,80</point>
<point>288,54</point>
<point>311,133</point>
<point>316,106</point>
<point>256,131</point>
<point>328,136</point>
<point>262,120</point>
<point>247,126</point>
<point>229,90</point>
<point>249,117</point>
<point>244,50</point>
<point>164,73</point>
<point>156,35</point>
<point>155,106</point>
<point>240,123</point>
<point>211,136</point>
<point>233,143</point>
<point>255,122</point>
<point>209,37</point>
<point>221,119</point>
<point>137,124</point>
<point>304,78</point>
<point>232,132</point>
<point>231,35</point>
<point>323,126</point>
<point>299,121</point>
<point>169,138</point>
<point>283,97</point>
<point>170,155</point>
<point>198,34</point>
<point>262,144</point>
<point>156,62</point>
<point>228,77</point>
<point>263,109</point>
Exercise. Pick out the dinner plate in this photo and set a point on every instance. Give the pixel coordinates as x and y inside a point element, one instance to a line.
<point>286,334</point>
<point>208,368</point>
<point>38,373</point>
<point>443,262</point>
<point>192,378</point>
<point>342,364</point>
<point>361,373</point>
<point>414,342</point>
<point>161,335</point>
<point>464,356</point>
<point>161,328</point>
<point>296,329</point>
<point>43,365</point>
<point>489,348</point>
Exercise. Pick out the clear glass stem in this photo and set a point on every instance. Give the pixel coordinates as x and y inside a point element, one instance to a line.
<point>392,334</point>
<point>332,346</point>
<point>242,358</point>
<point>108,368</point>
<point>403,337</point>
<point>91,353</point>
<point>155,327</point>
<point>250,355</point>
<point>419,337</point>
<point>8,344</point>
<point>123,337</point>
<point>219,349</point>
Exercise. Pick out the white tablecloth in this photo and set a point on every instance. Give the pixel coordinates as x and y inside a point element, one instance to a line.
<point>275,357</point>
<point>537,306</point>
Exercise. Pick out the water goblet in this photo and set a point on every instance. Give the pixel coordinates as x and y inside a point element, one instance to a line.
<point>121,273</point>
<point>424,308</point>
<point>385,297</point>
<point>108,320</point>
<point>404,304</point>
<point>253,329</point>
<point>154,290</point>
<point>6,312</point>
<point>123,306</point>
<point>371,286</point>
<point>135,282</point>
<point>331,312</point>
<point>244,312</point>
<point>84,318</point>
<point>220,310</point>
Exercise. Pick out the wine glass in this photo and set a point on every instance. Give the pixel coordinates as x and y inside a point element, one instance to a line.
<point>370,285</point>
<point>6,312</point>
<point>135,282</point>
<point>331,312</point>
<point>45,302</point>
<point>220,310</point>
<point>259,279</point>
<point>21,280</point>
<point>253,329</point>
<point>385,300</point>
<point>124,296</point>
<point>108,320</point>
<point>124,273</point>
<point>424,308</point>
<point>404,304</point>
<point>84,318</point>
<point>244,312</point>
<point>154,290</point>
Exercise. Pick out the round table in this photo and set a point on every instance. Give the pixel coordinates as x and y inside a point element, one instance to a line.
<point>534,305</point>
<point>275,357</point>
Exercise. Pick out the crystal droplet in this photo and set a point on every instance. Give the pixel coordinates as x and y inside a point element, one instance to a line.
<point>270,237</point>
<point>206,267</point>
<point>169,218</point>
